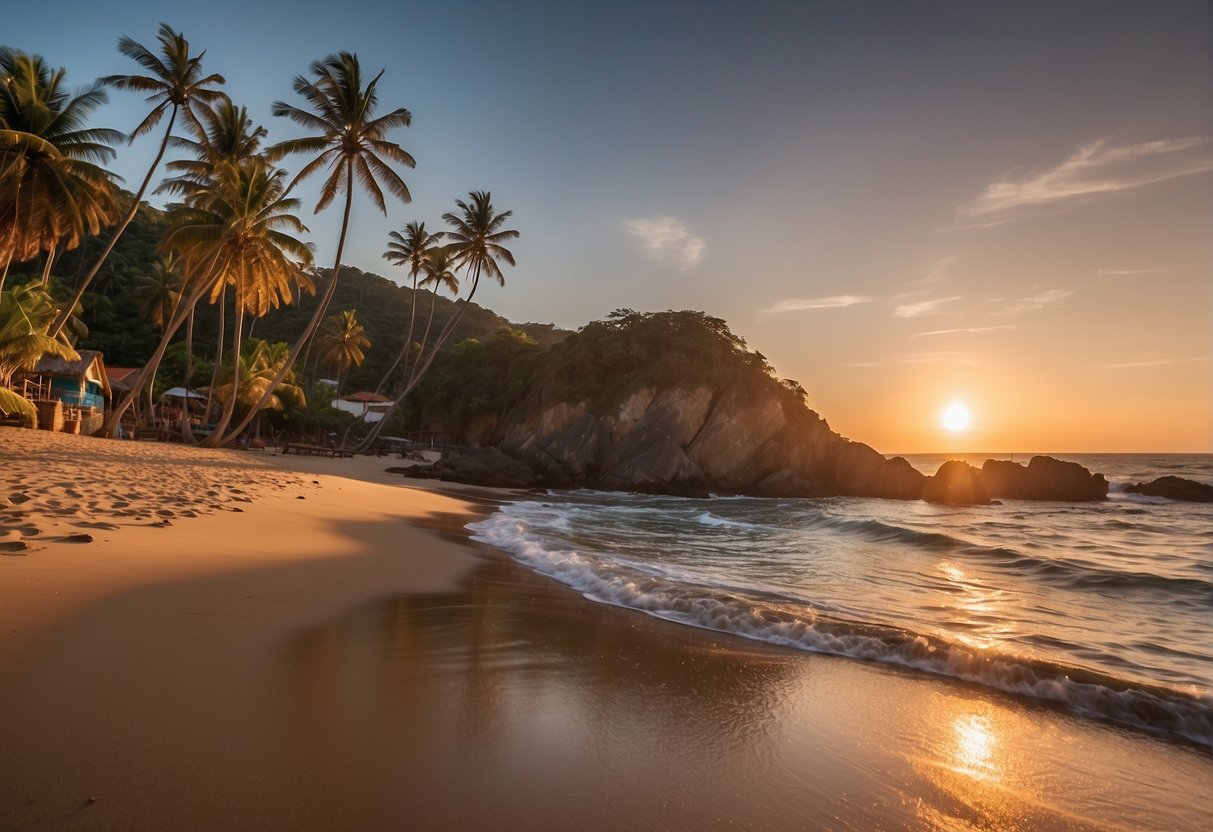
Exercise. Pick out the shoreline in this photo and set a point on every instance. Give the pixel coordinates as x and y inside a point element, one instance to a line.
<point>360,663</point>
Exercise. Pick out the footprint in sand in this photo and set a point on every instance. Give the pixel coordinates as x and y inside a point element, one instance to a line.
<point>164,512</point>
<point>98,524</point>
<point>14,547</point>
<point>76,537</point>
<point>18,497</point>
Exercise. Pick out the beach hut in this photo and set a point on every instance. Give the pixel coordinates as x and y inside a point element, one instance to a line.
<point>70,395</point>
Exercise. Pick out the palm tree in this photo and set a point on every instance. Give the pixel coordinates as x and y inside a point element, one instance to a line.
<point>410,250</point>
<point>235,229</point>
<point>156,296</point>
<point>439,270</point>
<point>476,238</point>
<point>174,81</point>
<point>352,143</point>
<point>53,190</point>
<point>223,132</point>
<point>249,378</point>
<point>341,342</point>
<point>25,314</point>
<point>249,216</point>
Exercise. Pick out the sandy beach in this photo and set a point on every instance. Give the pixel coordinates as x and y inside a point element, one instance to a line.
<point>312,644</point>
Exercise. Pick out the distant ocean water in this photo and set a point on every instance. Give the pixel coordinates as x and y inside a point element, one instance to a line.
<point>1105,609</point>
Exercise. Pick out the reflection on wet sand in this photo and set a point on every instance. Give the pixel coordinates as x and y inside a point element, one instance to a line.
<point>517,704</point>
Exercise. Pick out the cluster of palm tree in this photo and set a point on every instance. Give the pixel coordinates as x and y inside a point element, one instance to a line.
<point>234,237</point>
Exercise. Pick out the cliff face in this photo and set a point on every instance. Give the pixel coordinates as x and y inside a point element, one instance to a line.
<point>689,440</point>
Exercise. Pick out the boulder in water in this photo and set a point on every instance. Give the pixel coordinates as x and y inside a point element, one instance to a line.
<point>1044,478</point>
<point>956,483</point>
<point>1175,488</point>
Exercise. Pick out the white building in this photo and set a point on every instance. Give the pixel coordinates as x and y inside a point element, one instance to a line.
<point>370,407</point>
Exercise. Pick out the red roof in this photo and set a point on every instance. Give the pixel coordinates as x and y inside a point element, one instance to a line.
<point>119,373</point>
<point>365,396</point>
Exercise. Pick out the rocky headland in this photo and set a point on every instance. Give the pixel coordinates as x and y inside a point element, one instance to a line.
<point>674,403</point>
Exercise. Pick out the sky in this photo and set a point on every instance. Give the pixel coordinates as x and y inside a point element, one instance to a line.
<point>903,205</point>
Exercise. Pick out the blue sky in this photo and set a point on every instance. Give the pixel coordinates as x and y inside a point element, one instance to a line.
<point>900,204</point>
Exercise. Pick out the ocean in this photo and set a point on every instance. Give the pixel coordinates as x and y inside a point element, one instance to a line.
<point>1102,609</point>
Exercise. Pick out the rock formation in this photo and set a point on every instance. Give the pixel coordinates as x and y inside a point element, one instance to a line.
<point>1175,488</point>
<point>956,483</point>
<point>674,403</point>
<point>1044,478</point>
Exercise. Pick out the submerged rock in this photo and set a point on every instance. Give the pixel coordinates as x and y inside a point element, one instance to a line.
<point>1174,488</point>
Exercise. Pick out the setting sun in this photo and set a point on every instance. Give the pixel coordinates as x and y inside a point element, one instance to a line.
<point>956,417</point>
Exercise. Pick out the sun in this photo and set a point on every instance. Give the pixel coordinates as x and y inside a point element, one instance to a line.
<point>956,417</point>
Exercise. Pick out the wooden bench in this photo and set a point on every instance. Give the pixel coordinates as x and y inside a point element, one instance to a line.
<point>314,450</point>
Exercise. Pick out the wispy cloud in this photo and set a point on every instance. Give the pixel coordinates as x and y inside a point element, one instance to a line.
<point>940,357</point>
<point>800,304</point>
<point>923,307</point>
<point>1040,300</point>
<point>970,329</point>
<point>1153,362</point>
<point>1125,272</point>
<point>1096,169</point>
<point>667,240</point>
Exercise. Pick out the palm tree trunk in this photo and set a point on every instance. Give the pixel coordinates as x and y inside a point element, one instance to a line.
<point>405,348</point>
<point>420,371</point>
<point>4,274</point>
<point>318,316</point>
<point>66,311</point>
<point>210,393</point>
<point>216,438</point>
<point>46,273</point>
<point>187,432</point>
<point>111,424</point>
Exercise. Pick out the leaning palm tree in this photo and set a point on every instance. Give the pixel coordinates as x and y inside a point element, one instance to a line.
<point>174,82</point>
<point>476,237</point>
<point>352,144</point>
<point>53,190</point>
<point>342,342</point>
<point>155,297</point>
<point>439,270</point>
<point>236,230</point>
<point>258,256</point>
<point>222,132</point>
<point>409,250</point>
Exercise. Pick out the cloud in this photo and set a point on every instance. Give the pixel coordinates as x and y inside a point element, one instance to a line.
<point>1096,169</point>
<point>667,240</point>
<point>1040,300</point>
<point>1125,272</point>
<point>970,329</point>
<point>1156,362</point>
<point>801,304</point>
<point>924,307</point>
<point>941,357</point>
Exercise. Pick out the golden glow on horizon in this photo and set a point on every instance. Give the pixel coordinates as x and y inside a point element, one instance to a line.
<point>955,417</point>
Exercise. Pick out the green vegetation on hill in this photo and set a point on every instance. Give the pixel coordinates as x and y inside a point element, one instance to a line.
<point>601,364</point>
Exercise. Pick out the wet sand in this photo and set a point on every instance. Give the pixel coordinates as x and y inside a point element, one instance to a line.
<point>321,664</point>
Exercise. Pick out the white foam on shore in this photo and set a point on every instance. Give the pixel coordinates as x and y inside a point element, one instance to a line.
<point>673,595</point>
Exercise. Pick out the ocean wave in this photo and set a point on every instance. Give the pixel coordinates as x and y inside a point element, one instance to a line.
<point>814,628</point>
<point>1068,572</point>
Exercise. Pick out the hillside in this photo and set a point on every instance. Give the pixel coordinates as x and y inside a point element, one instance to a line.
<point>115,328</point>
